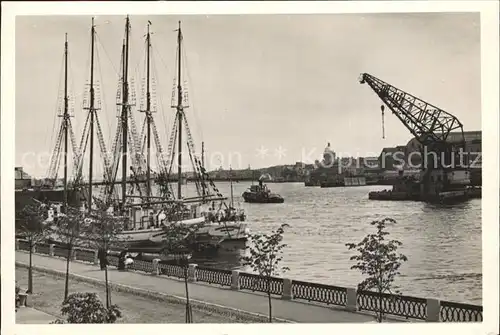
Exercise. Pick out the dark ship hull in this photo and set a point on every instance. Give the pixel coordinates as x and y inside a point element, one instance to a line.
<point>260,198</point>
<point>24,197</point>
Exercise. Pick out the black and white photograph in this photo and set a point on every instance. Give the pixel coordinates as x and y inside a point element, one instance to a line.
<point>243,168</point>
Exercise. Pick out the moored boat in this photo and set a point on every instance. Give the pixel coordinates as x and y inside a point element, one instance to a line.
<point>261,194</point>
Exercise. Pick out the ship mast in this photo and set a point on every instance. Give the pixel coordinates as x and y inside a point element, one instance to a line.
<point>179,114</point>
<point>92,112</point>
<point>203,167</point>
<point>231,182</point>
<point>203,154</point>
<point>148,117</point>
<point>124,116</point>
<point>65,121</point>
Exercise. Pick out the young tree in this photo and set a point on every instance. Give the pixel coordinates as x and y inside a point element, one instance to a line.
<point>178,239</point>
<point>67,227</point>
<point>31,224</point>
<point>265,256</point>
<point>102,231</point>
<point>88,308</point>
<point>379,261</point>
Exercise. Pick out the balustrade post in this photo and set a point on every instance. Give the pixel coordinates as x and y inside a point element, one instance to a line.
<point>192,272</point>
<point>29,301</point>
<point>156,267</point>
<point>287,289</point>
<point>352,299</point>
<point>433,308</point>
<point>96,257</point>
<point>33,248</point>
<point>17,244</point>
<point>73,254</point>
<point>51,250</point>
<point>235,280</point>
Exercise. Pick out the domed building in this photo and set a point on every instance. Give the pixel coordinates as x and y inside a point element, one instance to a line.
<point>329,156</point>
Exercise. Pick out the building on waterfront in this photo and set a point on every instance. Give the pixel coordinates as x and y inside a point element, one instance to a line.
<point>473,150</point>
<point>472,147</point>
<point>392,158</point>
<point>23,180</point>
<point>370,164</point>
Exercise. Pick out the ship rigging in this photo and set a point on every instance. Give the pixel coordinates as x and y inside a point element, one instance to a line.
<point>146,213</point>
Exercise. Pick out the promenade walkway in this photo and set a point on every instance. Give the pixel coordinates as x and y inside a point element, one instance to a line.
<point>250,302</point>
<point>28,315</point>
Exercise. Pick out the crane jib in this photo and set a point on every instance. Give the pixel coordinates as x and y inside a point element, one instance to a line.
<point>425,121</point>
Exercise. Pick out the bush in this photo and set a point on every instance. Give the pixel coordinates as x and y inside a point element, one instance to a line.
<point>88,308</point>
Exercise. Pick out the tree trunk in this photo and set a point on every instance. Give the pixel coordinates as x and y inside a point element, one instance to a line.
<point>108,293</point>
<point>189,312</point>
<point>269,300</point>
<point>66,282</point>
<point>270,308</point>
<point>380,308</point>
<point>30,270</point>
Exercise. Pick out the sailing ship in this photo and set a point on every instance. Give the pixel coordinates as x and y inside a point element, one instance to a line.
<point>146,215</point>
<point>48,190</point>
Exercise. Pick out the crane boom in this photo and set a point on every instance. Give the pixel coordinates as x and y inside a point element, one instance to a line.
<point>428,123</point>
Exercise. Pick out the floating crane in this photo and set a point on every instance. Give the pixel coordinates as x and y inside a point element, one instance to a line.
<point>444,168</point>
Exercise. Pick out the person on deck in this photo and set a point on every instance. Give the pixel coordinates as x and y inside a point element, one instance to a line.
<point>121,261</point>
<point>151,220</point>
<point>128,261</point>
<point>103,259</point>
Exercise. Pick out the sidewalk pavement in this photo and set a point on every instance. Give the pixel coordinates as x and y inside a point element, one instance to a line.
<point>28,315</point>
<point>246,301</point>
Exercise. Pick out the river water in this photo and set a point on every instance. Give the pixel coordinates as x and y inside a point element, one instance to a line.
<point>442,243</point>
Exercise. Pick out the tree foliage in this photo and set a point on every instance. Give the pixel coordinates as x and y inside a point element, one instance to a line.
<point>266,252</point>
<point>69,225</point>
<point>31,222</point>
<point>179,239</point>
<point>102,231</point>
<point>88,308</point>
<point>264,257</point>
<point>378,260</point>
<point>67,228</point>
<point>103,228</point>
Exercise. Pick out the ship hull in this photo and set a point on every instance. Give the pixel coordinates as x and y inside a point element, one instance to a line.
<point>259,199</point>
<point>25,197</point>
<point>208,235</point>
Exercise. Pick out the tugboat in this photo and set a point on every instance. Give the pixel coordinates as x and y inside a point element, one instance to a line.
<point>262,195</point>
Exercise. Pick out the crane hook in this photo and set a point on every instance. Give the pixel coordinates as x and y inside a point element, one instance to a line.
<point>382,108</point>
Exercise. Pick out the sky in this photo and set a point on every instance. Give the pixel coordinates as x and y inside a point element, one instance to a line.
<point>263,89</point>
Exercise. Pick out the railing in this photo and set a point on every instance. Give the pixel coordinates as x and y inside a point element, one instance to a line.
<point>143,266</point>
<point>399,305</point>
<point>85,255</point>
<point>43,249</point>
<point>354,300</point>
<point>249,281</point>
<point>330,295</point>
<point>113,260</point>
<point>457,312</point>
<point>60,251</point>
<point>176,271</point>
<point>214,276</point>
<point>24,245</point>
